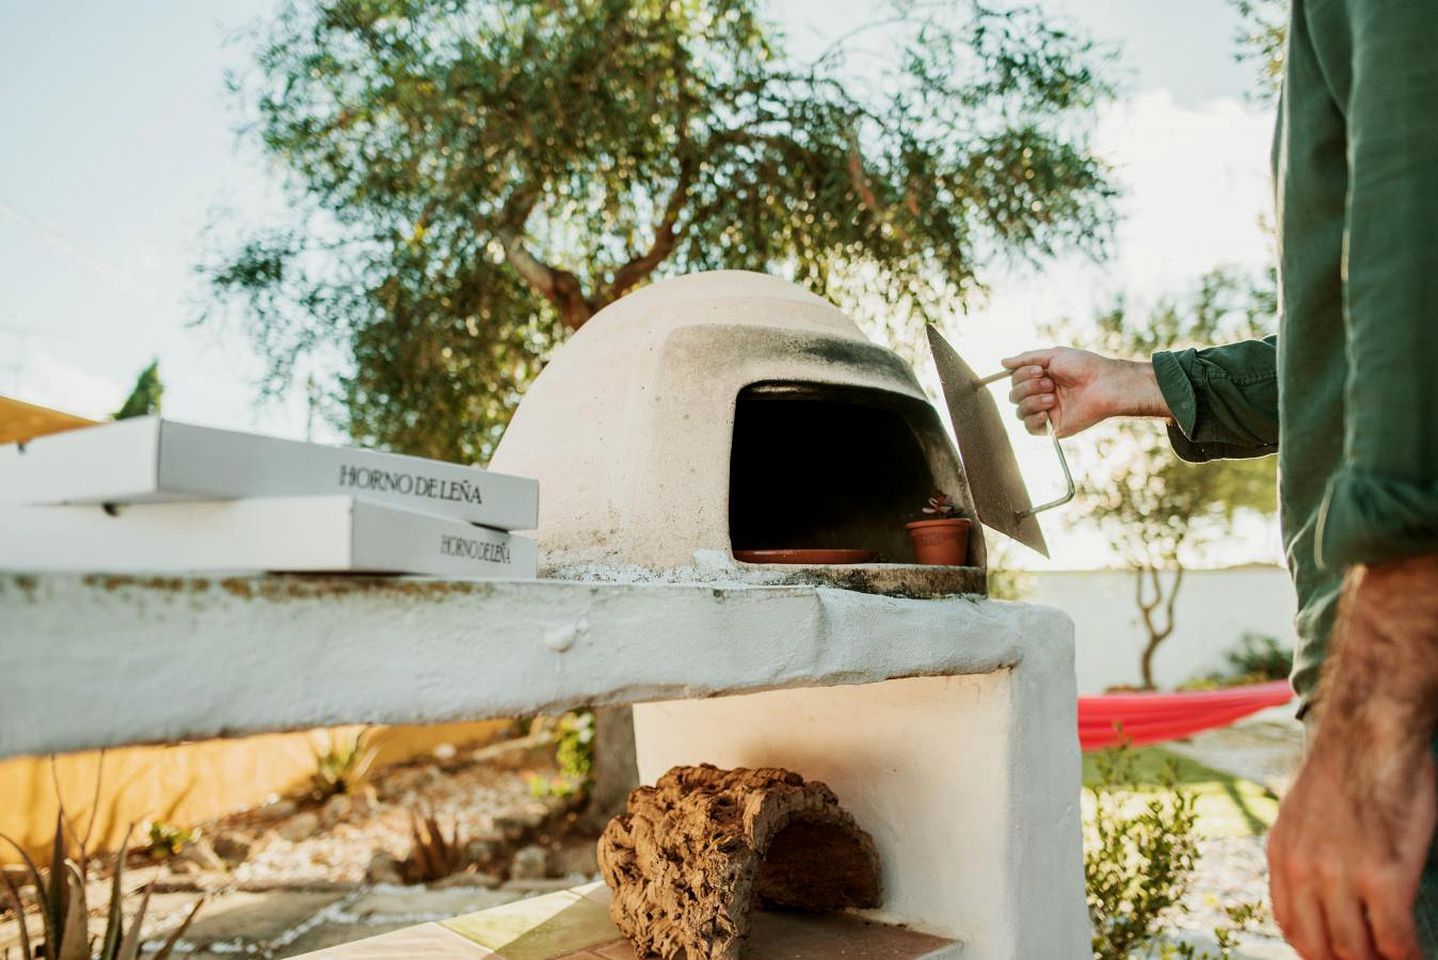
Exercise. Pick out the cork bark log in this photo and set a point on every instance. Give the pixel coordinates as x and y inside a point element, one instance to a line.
<point>695,853</point>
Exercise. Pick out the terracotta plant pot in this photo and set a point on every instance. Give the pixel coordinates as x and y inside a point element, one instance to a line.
<point>940,542</point>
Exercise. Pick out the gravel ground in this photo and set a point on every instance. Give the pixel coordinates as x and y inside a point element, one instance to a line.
<point>1233,870</point>
<point>293,843</point>
<point>350,832</point>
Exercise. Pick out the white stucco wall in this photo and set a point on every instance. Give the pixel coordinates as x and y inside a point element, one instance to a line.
<point>968,786</point>
<point>1215,607</point>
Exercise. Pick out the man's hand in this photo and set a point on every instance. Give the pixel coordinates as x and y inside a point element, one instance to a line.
<point>1347,852</point>
<point>1077,389</point>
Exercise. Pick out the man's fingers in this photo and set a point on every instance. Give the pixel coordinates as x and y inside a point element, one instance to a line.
<point>1029,387</point>
<point>1277,880</point>
<point>1347,926</point>
<point>1038,357</point>
<point>1390,920</point>
<point>1035,424</point>
<point>1037,405</point>
<point>1307,930</point>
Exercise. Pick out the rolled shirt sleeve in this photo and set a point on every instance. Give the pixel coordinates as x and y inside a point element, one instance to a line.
<point>1383,503</point>
<point>1224,399</point>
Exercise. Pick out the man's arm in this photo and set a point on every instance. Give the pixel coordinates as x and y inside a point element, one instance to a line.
<point>1221,402</point>
<point>1346,854</point>
<point>1383,505</point>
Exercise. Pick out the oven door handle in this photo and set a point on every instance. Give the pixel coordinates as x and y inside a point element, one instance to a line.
<point>1069,489</point>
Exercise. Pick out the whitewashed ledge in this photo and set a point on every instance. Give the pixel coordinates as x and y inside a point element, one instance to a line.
<point>91,661</point>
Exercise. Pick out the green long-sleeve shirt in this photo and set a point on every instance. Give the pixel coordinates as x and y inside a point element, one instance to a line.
<point>1348,391</point>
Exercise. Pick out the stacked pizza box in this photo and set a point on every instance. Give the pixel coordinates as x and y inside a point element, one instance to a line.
<point>149,495</point>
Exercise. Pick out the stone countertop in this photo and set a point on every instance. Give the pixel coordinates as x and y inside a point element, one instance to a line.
<point>99,660</point>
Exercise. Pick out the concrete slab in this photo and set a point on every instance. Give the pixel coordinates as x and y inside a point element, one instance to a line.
<point>254,918</point>
<point>419,904</point>
<point>430,651</point>
<point>333,934</point>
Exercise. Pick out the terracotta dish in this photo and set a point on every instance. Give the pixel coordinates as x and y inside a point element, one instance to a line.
<point>810,557</point>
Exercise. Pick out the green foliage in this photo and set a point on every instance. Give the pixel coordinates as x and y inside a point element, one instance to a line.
<point>472,179</point>
<point>167,840</point>
<point>1227,805</point>
<point>342,765</point>
<point>144,398</point>
<point>1241,917</point>
<point>434,855</point>
<point>60,898</point>
<point>573,738</point>
<point>1139,864</point>
<point>1263,41</point>
<point>1159,513</point>
<point>1007,581</point>
<point>1137,867</point>
<point>1258,658</point>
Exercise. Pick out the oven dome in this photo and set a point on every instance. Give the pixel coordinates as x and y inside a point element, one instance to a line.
<point>630,428</point>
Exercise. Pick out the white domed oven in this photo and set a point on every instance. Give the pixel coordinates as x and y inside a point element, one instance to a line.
<point>711,419</point>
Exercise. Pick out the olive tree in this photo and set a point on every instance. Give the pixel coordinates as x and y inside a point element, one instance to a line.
<point>470,180</point>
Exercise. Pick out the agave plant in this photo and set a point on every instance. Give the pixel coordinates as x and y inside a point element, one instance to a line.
<point>60,898</point>
<point>434,855</point>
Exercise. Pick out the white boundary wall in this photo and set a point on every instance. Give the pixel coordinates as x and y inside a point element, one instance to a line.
<point>1215,607</point>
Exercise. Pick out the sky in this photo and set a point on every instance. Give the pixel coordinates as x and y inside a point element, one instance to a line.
<point>117,144</point>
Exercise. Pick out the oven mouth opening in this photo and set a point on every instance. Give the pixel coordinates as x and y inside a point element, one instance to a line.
<point>823,467</point>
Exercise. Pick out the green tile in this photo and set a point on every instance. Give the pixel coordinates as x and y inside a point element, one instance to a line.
<point>541,928</point>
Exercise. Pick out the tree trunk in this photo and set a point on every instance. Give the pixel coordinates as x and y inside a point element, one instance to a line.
<point>1157,633</point>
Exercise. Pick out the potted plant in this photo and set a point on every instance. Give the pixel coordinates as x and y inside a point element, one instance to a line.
<point>940,535</point>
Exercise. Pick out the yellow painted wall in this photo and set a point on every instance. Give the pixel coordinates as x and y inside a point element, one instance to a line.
<point>21,421</point>
<point>186,783</point>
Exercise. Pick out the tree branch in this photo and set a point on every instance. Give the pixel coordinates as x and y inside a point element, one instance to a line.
<point>559,287</point>
<point>666,234</point>
<point>1172,598</point>
<point>867,198</point>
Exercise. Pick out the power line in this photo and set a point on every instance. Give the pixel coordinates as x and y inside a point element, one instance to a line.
<point>71,249</point>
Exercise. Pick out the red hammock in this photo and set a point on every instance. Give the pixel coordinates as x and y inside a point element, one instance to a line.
<point>1140,718</point>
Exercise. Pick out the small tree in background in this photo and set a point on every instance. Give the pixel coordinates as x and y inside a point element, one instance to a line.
<point>1159,513</point>
<point>144,399</point>
<point>470,181</point>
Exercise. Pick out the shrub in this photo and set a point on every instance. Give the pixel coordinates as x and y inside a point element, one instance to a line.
<point>1259,657</point>
<point>1139,865</point>
<point>167,840</point>
<point>573,739</point>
